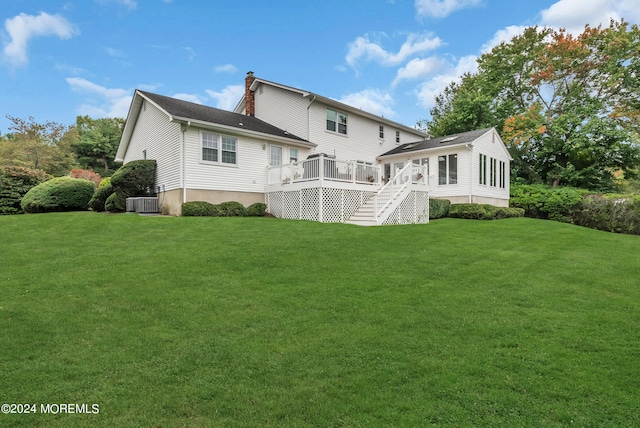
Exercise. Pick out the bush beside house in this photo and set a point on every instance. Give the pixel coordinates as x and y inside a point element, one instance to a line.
<point>59,194</point>
<point>483,212</point>
<point>136,178</point>
<point>225,209</point>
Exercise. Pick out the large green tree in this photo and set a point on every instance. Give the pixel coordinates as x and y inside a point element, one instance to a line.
<point>567,107</point>
<point>39,146</point>
<point>98,143</point>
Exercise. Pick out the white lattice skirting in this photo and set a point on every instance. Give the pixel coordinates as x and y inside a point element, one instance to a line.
<point>414,209</point>
<point>331,205</point>
<point>324,204</point>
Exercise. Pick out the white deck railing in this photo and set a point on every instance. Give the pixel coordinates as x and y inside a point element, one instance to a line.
<point>410,174</point>
<point>325,168</point>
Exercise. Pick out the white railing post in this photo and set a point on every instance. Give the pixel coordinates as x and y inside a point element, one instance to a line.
<point>321,167</point>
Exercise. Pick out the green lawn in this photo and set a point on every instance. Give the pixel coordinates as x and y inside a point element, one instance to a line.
<point>267,322</point>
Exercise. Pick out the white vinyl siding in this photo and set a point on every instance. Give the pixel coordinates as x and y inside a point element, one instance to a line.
<point>160,140</point>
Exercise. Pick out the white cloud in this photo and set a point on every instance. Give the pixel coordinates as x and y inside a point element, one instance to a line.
<point>363,49</point>
<point>504,35</point>
<point>188,97</point>
<point>419,68</point>
<point>428,91</point>
<point>574,14</point>
<point>191,52</point>
<point>23,28</point>
<point>129,4</point>
<point>442,8</point>
<point>114,53</point>
<point>228,97</point>
<point>112,102</point>
<point>372,101</point>
<point>226,68</point>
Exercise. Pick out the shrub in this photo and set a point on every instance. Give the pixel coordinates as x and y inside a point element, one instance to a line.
<point>104,182</point>
<point>100,196</point>
<point>483,211</point>
<point>115,202</point>
<point>15,182</point>
<point>438,208</point>
<point>256,210</point>
<point>58,194</point>
<point>136,178</point>
<point>200,209</point>
<point>232,209</point>
<point>87,174</point>
<point>553,203</point>
<point>612,213</point>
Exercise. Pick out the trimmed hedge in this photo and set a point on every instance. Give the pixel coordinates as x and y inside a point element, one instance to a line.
<point>99,198</point>
<point>483,212</point>
<point>225,209</point>
<point>200,209</point>
<point>552,203</point>
<point>136,178</point>
<point>15,182</point>
<point>232,209</point>
<point>256,210</point>
<point>613,213</point>
<point>59,194</point>
<point>438,208</point>
<point>115,203</point>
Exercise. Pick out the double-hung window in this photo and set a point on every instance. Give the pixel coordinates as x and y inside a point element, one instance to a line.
<point>275,155</point>
<point>381,132</point>
<point>219,149</point>
<point>336,121</point>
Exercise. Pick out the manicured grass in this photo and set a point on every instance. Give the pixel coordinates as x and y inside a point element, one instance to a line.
<point>266,322</point>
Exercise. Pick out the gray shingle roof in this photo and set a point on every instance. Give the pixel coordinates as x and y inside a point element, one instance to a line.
<point>448,140</point>
<point>189,110</point>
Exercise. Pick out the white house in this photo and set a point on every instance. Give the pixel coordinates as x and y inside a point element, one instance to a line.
<point>308,156</point>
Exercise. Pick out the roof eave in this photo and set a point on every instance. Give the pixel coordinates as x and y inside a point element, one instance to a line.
<point>233,129</point>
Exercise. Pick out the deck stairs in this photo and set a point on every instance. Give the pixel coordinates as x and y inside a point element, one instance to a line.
<point>381,205</point>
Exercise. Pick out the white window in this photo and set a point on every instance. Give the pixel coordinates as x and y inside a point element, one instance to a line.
<point>275,155</point>
<point>293,155</point>
<point>493,172</point>
<point>219,149</point>
<point>483,169</point>
<point>381,132</point>
<point>336,121</point>
<point>424,162</point>
<point>397,137</point>
<point>503,175</point>
<point>448,169</point>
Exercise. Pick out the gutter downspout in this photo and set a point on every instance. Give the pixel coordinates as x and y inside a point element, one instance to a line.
<point>309,118</point>
<point>470,148</point>
<point>184,161</point>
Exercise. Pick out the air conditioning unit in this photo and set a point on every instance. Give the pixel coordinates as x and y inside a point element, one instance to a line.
<point>142,205</point>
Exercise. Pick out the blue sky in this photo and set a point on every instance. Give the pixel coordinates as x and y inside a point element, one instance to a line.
<point>64,58</point>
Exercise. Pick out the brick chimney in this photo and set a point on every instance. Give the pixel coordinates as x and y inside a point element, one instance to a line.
<point>249,96</point>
